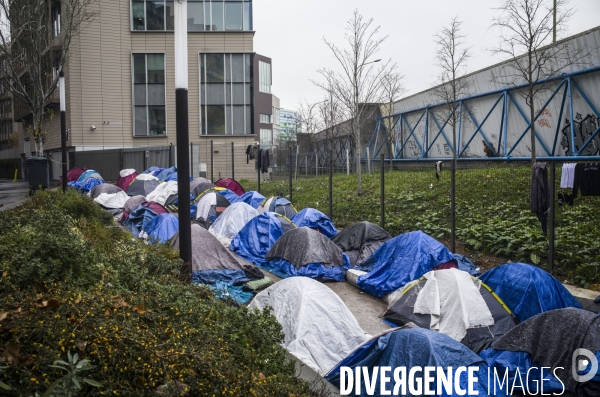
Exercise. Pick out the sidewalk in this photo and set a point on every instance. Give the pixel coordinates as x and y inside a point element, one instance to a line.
<point>12,194</point>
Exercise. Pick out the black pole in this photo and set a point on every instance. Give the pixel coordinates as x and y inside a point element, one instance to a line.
<point>191,158</point>
<point>330,182</point>
<point>170,156</point>
<point>551,217</point>
<point>290,151</point>
<point>453,206</point>
<point>212,163</point>
<point>382,191</point>
<point>183,188</point>
<point>63,134</point>
<point>258,171</point>
<point>232,162</point>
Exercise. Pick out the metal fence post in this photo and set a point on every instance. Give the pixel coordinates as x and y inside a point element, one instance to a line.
<point>382,223</point>
<point>306,165</point>
<point>368,161</point>
<point>551,217</point>
<point>316,164</point>
<point>258,171</point>
<point>453,206</point>
<point>212,164</point>
<point>191,158</point>
<point>296,165</point>
<point>290,170</point>
<point>232,162</point>
<point>347,162</point>
<point>331,184</point>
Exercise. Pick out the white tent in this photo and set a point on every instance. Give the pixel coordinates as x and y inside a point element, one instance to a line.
<point>319,329</point>
<point>231,221</point>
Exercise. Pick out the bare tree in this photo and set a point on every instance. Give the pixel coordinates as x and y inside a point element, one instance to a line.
<point>527,28</point>
<point>392,89</point>
<point>308,117</point>
<point>35,37</point>
<point>357,85</point>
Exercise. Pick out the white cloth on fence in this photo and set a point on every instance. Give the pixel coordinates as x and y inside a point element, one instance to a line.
<point>162,192</point>
<point>126,172</point>
<point>568,176</point>
<point>112,201</point>
<point>452,298</point>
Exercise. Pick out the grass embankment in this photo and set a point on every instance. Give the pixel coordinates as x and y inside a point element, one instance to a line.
<point>493,219</point>
<point>73,283</point>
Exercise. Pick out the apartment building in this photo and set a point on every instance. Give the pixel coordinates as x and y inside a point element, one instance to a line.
<point>120,82</point>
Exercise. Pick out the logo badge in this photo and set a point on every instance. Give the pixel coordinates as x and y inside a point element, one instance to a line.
<point>578,363</point>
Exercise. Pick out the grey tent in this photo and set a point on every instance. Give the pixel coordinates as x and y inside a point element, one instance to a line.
<point>401,312</point>
<point>209,205</point>
<point>306,252</point>
<point>360,241</point>
<point>201,188</point>
<point>104,188</point>
<point>132,204</point>
<point>212,262</point>
<point>196,181</point>
<point>142,187</point>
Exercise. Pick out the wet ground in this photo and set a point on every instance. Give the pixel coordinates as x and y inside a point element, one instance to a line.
<point>12,193</point>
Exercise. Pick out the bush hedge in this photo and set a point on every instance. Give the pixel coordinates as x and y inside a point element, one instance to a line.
<point>73,283</point>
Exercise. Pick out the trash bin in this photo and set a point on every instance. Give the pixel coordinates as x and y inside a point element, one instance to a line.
<point>38,171</point>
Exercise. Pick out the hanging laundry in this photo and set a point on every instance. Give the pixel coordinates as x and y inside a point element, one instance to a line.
<point>539,193</point>
<point>568,176</point>
<point>587,179</point>
<point>265,161</point>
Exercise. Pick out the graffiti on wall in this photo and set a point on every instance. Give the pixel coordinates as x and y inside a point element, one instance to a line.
<point>584,128</point>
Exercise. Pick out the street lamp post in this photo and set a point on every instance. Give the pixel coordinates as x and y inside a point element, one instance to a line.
<point>182,126</point>
<point>63,128</point>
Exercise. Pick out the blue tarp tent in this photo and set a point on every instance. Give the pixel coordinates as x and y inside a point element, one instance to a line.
<point>403,259</point>
<point>86,175</point>
<point>315,219</point>
<point>87,181</point>
<point>258,236</point>
<point>152,170</point>
<point>528,290</point>
<point>141,217</point>
<point>229,195</point>
<point>253,198</point>
<point>164,174</point>
<point>90,183</point>
<point>466,265</point>
<point>162,228</point>
<point>415,347</point>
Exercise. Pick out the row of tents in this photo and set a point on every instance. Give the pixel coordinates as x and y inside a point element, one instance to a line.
<point>438,303</point>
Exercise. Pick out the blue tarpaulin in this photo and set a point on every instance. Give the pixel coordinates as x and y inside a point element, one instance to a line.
<point>255,239</point>
<point>466,265</point>
<point>253,199</point>
<point>401,260</point>
<point>315,219</point>
<point>165,173</point>
<point>152,170</point>
<point>229,276</point>
<point>90,183</point>
<point>415,347</point>
<point>284,269</point>
<point>224,290</point>
<point>529,372</point>
<point>162,228</point>
<point>139,218</point>
<point>229,195</point>
<point>86,175</point>
<point>528,290</point>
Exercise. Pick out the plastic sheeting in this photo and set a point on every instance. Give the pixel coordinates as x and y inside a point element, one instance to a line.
<point>162,228</point>
<point>253,198</point>
<point>232,197</point>
<point>90,183</point>
<point>132,204</point>
<point>232,185</point>
<point>211,261</point>
<point>141,186</point>
<point>528,290</point>
<point>255,239</point>
<point>140,217</point>
<point>104,188</point>
<point>112,201</point>
<point>415,347</point>
<point>466,265</point>
<point>164,174</point>
<point>403,259</point>
<point>153,169</point>
<point>231,221</point>
<point>316,220</point>
<point>162,192</point>
<point>319,329</point>
<point>355,236</point>
<point>86,174</point>
<point>126,172</point>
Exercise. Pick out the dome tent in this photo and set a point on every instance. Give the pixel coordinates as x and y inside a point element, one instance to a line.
<point>162,228</point>
<point>416,347</point>
<point>299,303</point>
<point>278,205</point>
<point>104,188</point>
<point>228,194</point>
<point>200,188</point>
<point>306,252</point>
<point>126,176</point>
<point>209,205</point>
<point>140,217</point>
<point>316,220</point>
<point>528,290</point>
<point>231,184</point>
<point>231,221</point>
<point>143,185</point>
<point>456,302</point>
<point>164,174</point>
<point>253,198</point>
<point>255,239</point>
<point>360,241</point>
<point>403,259</point>
<point>132,204</point>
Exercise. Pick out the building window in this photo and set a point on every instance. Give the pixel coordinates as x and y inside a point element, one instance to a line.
<point>266,119</point>
<point>55,18</point>
<point>225,94</point>
<point>264,77</point>
<point>149,95</point>
<point>266,138</point>
<point>203,15</point>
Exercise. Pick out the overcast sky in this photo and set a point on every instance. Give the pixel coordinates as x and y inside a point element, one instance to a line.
<point>291,33</point>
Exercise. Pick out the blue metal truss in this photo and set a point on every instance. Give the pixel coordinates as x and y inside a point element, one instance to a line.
<point>503,150</point>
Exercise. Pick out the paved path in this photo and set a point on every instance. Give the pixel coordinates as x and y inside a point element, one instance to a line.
<point>12,194</point>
